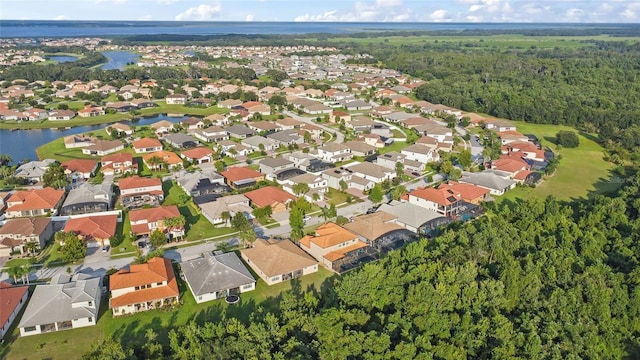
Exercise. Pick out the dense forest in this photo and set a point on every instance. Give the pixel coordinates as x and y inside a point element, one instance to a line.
<point>535,280</point>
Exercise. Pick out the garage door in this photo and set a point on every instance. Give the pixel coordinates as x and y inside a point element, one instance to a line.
<point>93,244</point>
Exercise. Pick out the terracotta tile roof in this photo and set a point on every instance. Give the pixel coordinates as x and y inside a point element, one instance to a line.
<point>79,165</point>
<point>34,199</point>
<point>339,254</point>
<point>468,192</point>
<point>154,214</point>
<point>117,158</point>
<point>146,143</point>
<point>443,197</point>
<point>155,270</point>
<point>328,235</point>
<point>96,227</point>
<point>24,226</point>
<point>166,156</point>
<point>509,164</point>
<point>197,153</point>
<point>372,226</point>
<point>269,195</point>
<point>522,175</point>
<point>240,173</point>
<point>278,257</point>
<point>9,300</point>
<point>136,182</point>
<point>250,104</point>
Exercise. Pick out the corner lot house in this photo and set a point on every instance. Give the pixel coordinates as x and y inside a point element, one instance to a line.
<point>333,246</point>
<point>217,276</point>
<point>16,233</point>
<point>277,261</point>
<point>34,202</point>
<point>143,287</point>
<point>12,299</point>
<point>66,303</point>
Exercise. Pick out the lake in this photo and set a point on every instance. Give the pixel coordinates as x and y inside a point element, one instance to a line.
<point>118,59</point>
<point>22,144</point>
<point>63,59</point>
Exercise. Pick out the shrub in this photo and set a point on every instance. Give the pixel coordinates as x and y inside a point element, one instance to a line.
<point>568,139</point>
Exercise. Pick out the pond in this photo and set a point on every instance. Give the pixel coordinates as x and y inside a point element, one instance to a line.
<point>118,59</point>
<point>63,58</point>
<point>22,144</point>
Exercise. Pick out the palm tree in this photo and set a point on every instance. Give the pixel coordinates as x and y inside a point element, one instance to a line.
<point>5,159</point>
<point>175,223</point>
<point>248,236</point>
<point>153,162</point>
<point>26,271</point>
<point>226,217</point>
<point>15,271</point>
<point>31,247</point>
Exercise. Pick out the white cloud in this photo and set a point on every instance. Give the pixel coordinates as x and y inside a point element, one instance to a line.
<point>249,17</point>
<point>440,15</point>
<point>327,16</point>
<point>61,17</point>
<point>145,18</point>
<point>378,10</point>
<point>201,12</point>
<point>166,2</point>
<point>388,3</point>
<point>574,14</point>
<point>114,2</point>
<point>474,8</point>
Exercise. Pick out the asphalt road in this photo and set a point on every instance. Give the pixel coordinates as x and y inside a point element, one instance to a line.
<point>339,137</point>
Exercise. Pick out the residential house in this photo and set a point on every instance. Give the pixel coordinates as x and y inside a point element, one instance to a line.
<point>239,131</point>
<point>286,137</point>
<point>162,127</point>
<point>444,201</point>
<point>143,103</point>
<point>198,155</point>
<point>272,196</point>
<point>356,105</point>
<point>121,106</point>
<point>67,302</point>
<point>147,145</point>
<point>241,176</point>
<point>34,202</point>
<point>162,159</point>
<point>77,141</point>
<point>263,126</point>
<point>256,107</point>
<point>420,153</point>
<point>80,169</point>
<point>333,246</point>
<point>259,143</point>
<point>212,134</point>
<point>277,261</point>
<point>499,125</point>
<point>203,185</point>
<point>180,140</point>
<point>136,191</point>
<point>334,152</point>
<point>91,111</point>
<point>496,182</point>
<point>56,115</point>
<point>470,193</point>
<point>217,119</point>
<point>289,123</point>
<point>214,277</point>
<point>441,133</point>
<point>317,185</point>
<point>88,198</point>
<point>142,287</point>
<point>118,164</point>
<point>229,103</point>
<point>12,299</point>
<point>176,99</point>
<point>95,231</point>
<point>415,218</point>
<point>146,221</point>
<point>390,159</point>
<point>192,123</point>
<point>272,165</point>
<point>380,230</point>
<point>372,172</point>
<point>103,147</point>
<point>361,124</point>
<point>16,233</point>
<point>315,131</point>
<point>359,148</point>
<point>336,176</point>
<point>32,171</point>
<point>230,204</point>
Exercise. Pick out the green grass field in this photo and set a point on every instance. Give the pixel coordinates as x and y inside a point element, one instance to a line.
<point>71,344</point>
<point>582,171</point>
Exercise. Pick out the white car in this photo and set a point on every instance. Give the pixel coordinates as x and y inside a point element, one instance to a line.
<point>306,218</point>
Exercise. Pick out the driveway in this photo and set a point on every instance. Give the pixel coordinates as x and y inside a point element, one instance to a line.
<point>95,255</point>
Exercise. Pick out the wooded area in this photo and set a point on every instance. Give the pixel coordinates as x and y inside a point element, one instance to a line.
<point>536,279</point>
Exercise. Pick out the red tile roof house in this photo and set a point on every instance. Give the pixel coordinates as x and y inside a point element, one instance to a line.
<point>143,287</point>
<point>470,193</point>
<point>94,230</point>
<point>80,168</point>
<point>16,233</point>
<point>333,245</point>
<point>12,299</point>
<point>136,191</point>
<point>199,155</point>
<point>34,202</point>
<point>444,201</point>
<point>241,176</point>
<point>147,145</point>
<point>145,221</point>
<point>272,196</point>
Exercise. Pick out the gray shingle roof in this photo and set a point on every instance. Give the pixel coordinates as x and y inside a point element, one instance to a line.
<point>215,273</point>
<point>89,193</point>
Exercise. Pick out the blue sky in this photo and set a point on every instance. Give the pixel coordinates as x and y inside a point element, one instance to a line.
<point>611,11</point>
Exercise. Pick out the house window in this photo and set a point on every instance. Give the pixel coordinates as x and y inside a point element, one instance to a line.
<point>29,328</point>
<point>90,319</point>
<point>90,303</point>
<point>200,297</point>
<point>137,288</point>
<point>247,286</point>
<point>159,284</point>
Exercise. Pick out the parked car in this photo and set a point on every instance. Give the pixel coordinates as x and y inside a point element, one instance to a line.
<point>307,218</point>
<point>105,249</point>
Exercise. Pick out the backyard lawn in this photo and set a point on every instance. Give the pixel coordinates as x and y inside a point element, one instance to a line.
<point>130,329</point>
<point>581,171</point>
